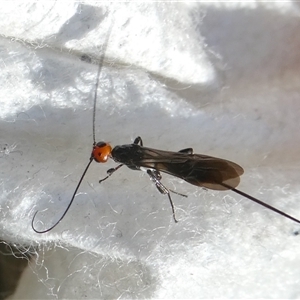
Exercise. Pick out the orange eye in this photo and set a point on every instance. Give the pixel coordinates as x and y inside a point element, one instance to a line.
<point>101,152</point>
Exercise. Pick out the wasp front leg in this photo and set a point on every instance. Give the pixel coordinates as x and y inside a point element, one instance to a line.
<point>187,151</point>
<point>110,172</point>
<point>138,140</point>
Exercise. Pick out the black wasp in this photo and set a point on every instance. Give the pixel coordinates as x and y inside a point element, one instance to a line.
<point>197,169</point>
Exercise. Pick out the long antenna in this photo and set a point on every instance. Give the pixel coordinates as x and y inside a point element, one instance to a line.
<point>73,197</point>
<point>100,65</point>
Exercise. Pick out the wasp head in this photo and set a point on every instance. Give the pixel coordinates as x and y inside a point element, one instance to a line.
<point>101,152</point>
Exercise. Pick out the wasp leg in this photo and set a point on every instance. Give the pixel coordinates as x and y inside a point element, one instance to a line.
<point>156,177</point>
<point>111,171</point>
<point>187,151</point>
<point>138,140</point>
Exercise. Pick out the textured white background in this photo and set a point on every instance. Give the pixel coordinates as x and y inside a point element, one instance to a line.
<point>221,78</point>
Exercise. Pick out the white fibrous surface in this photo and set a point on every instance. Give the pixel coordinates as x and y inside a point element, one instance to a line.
<point>222,78</point>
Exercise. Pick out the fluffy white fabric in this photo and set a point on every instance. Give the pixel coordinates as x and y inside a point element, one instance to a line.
<point>222,78</point>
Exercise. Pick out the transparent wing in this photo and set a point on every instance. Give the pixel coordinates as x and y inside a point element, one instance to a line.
<point>200,170</point>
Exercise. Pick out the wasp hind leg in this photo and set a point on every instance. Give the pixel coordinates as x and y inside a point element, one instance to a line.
<point>155,176</point>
